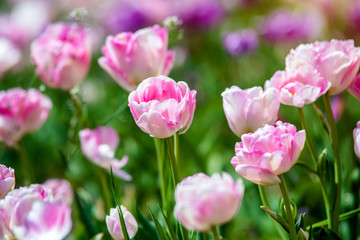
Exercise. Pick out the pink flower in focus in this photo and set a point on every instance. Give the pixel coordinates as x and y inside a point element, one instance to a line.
<point>354,88</point>
<point>32,213</point>
<point>62,55</point>
<point>61,189</point>
<point>161,107</point>
<point>298,87</point>
<point>270,151</point>
<point>129,58</point>
<point>247,110</point>
<point>7,180</point>
<point>99,146</point>
<point>114,226</point>
<point>203,202</point>
<point>10,55</point>
<point>336,61</point>
<point>356,135</point>
<point>21,112</point>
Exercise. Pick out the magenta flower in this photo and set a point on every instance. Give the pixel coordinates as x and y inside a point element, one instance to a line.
<point>61,189</point>
<point>10,55</point>
<point>114,226</point>
<point>7,180</point>
<point>161,107</point>
<point>129,58</point>
<point>32,213</point>
<point>99,146</point>
<point>21,112</point>
<point>354,88</point>
<point>203,202</point>
<point>298,87</point>
<point>247,110</point>
<point>270,151</point>
<point>336,61</point>
<point>356,135</point>
<point>62,55</point>
<point>337,103</point>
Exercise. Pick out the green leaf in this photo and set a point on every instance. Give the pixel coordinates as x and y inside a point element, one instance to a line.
<point>84,215</point>
<point>322,233</point>
<point>148,228</point>
<point>276,217</point>
<point>299,224</point>
<point>168,225</point>
<point>160,230</point>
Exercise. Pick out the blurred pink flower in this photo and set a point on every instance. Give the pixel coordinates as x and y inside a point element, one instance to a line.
<point>114,226</point>
<point>161,107</point>
<point>338,106</point>
<point>7,180</point>
<point>129,58</point>
<point>62,55</point>
<point>336,61</point>
<point>203,202</point>
<point>241,42</point>
<point>247,110</point>
<point>61,189</point>
<point>99,146</point>
<point>354,88</point>
<point>21,112</point>
<point>270,151</point>
<point>10,55</point>
<point>298,87</point>
<point>356,134</point>
<point>31,213</point>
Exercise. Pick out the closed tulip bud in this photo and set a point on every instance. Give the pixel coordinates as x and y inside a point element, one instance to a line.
<point>356,135</point>
<point>114,226</point>
<point>7,180</point>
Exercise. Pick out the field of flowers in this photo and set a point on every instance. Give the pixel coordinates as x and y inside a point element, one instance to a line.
<point>179,119</point>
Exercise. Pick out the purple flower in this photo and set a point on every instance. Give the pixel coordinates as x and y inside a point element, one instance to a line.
<point>241,42</point>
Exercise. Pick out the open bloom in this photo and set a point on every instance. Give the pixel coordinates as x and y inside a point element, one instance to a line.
<point>161,106</point>
<point>61,189</point>
<point>21,112</point>
<point>203,202</point>
<point>114,226</point>
<point>129,57</point>
<point>32,213</point>
<point>247,110</point>
<point>336,61</point>
<point>99,146</point>
<point>62,55</point>
<point>356,134</point>
<point>7,180</point>
<point>298,87</point>
<point>270,151</point>
<point>354,88</point>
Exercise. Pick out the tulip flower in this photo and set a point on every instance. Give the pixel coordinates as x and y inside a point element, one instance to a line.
<point>7,180</point>
<point>114,226</point>
<point>354,88</point>
<point>247,110</point>
<point>203,202</point>
<point>336,61</point>
<point>129,58</point>
<point>99,146</point>
<point>61,189</point>
<point>21,112</point>
<point>268,152</point>
<point>10,55</point>
<point>241,42</point>
<point>356,135</point>
<point>62,55</point>
<point>161,107</point>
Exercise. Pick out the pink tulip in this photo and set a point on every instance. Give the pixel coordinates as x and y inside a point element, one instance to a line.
<point>247,110</point>
<point>7,180</point>
<point>10,55</point>
<point>161,106</point>
<point>298,87</point>
<point>99,146</point>
<point>337,106</point>
<point>129,58</point>
<point>62,55</point>
<point>203,202</point>
<point>114,226</point>
<point>356,134</point>
<point>21,112</point>
<point>336,61</point>
<point>270,151</point>
<point>61,189</point>
<point>32,213</point>
<point>354,88</point>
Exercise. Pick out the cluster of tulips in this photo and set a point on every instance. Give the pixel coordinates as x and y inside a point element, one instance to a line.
<point>163,108</point>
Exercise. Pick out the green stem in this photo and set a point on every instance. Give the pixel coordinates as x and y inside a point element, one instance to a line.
<point>337,164</point>
<point>288,210</point>
<point>26,165</point>
<point>309,142</point>
<point>215,233</point>
<point>176,147</point>
<point>326,200</point>
<point>159,146</point>
<point>174,168</point>
<point>104,188</point>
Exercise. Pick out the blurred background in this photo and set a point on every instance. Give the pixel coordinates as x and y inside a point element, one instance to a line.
<point>218,44</point>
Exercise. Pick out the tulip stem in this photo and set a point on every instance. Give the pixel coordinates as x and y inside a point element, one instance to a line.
<point>309,142</point>
<point>159,146</point>
<point>289,214</point>
<point>26,165</point>
<point>337,164</point>
<point>174,168</point>
<point>104,188</point>
<point>215,233</point>
<point>176,146</point>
